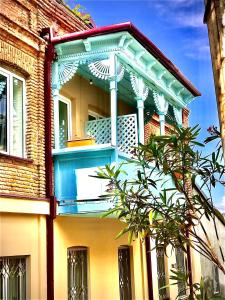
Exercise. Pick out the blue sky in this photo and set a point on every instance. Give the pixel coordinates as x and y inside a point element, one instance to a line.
<point>176,27</point>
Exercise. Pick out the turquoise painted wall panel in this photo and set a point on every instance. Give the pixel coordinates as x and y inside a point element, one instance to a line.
<point>66,165</point>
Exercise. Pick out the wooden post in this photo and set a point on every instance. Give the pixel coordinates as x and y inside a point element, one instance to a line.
<point>140,106</point>
<point>113,99</point>
<point>162,123</point>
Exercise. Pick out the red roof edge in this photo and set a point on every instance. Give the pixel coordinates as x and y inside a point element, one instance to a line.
<point>146,43</point>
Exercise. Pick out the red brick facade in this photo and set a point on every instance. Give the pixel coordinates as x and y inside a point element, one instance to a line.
<point>22,51</point>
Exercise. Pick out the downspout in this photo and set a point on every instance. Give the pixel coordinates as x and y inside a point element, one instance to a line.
<point>47,34</point>
<point>149,268</point>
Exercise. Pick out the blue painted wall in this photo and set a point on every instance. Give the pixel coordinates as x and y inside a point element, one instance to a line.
<point>65,165</point>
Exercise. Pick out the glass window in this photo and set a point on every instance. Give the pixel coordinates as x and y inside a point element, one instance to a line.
<point>3,112</point>
<point>124,273</point>
<point>12,278</point>
<point>161,273</point>
<point>63,124</point>
<point>216,280</point>
<point>77,273</point>
<point>17,116</point>
<point>11,113</point>
<point>181,267</point>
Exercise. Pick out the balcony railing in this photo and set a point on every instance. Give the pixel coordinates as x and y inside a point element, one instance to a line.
<point>127,133</point>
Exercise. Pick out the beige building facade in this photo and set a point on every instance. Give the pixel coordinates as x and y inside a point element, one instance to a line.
<point>24,203</point>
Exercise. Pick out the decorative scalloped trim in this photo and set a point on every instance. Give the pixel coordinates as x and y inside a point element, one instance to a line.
<point>160,102</point>
<point>101,70</point>
<point>67,70</point>
<point>178,115</point>
<point>139,87</point>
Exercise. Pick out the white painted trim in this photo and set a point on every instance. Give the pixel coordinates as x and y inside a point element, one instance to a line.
<point>95,114</point>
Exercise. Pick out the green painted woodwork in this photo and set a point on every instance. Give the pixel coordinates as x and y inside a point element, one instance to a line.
<point>72,56</point>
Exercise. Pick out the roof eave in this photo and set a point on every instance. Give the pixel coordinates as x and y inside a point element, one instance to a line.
<point>142,39</point>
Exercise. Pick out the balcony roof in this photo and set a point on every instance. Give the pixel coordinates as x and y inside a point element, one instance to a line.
<point>141,38</point>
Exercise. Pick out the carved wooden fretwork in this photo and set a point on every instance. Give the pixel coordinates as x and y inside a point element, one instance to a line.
<point>178,115</point>
<point>67,70</point>
<point>139,87</point>
<point>101,69</point>
<point>160,102</point>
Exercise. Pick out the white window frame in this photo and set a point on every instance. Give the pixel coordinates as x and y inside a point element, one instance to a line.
<point>95,115</point>
<point>9,146</point>
<point>67,101</point>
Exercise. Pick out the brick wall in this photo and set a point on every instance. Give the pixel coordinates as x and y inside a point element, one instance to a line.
<point>22,51</point>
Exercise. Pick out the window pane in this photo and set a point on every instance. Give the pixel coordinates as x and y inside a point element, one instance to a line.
<point>63,124</point>
<point>3,113</point>
<point>216,280</point>
<point>17,117</point>
<point>13,278</point>
<point>181,267</point>
<point>161,272</point>
<point>124,273</point>
<point>77,274</point>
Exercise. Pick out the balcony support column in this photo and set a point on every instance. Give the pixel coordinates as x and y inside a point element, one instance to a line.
<point>113,98</point>
<point>162,123</point>
<point>140,107</point>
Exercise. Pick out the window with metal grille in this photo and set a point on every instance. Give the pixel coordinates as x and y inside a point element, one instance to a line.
<point>181,267</point>
<point>161,273</point>
<point>12,278</point>
<point>124,273</point>
<point>77,273</point>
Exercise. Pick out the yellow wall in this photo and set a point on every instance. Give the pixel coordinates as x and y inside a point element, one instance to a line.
<point>86,97</point>
<point>20,235</point>
<point>99,236</point>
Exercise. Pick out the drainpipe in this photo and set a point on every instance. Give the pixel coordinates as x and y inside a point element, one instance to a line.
<point>47,34</point>
<point>149,268</point>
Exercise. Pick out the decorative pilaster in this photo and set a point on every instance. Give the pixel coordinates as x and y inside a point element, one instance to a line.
<point>162,107</point>
<point>141,91</point>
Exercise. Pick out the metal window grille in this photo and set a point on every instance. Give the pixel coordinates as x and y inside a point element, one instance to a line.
<point>12,278</point>
<point>77,273</point>
<point>161,273</point>
<point>124,273</point>
<point>181,267</point>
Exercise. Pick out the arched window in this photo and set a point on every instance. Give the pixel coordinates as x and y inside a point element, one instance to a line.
<point>12,112</point>
<point>124,273</point>
<point>77,273</point>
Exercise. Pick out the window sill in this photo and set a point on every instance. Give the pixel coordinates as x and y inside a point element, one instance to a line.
<point>16,158</point>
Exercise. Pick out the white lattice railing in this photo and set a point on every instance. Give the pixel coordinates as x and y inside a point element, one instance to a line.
<point>126,131</point>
